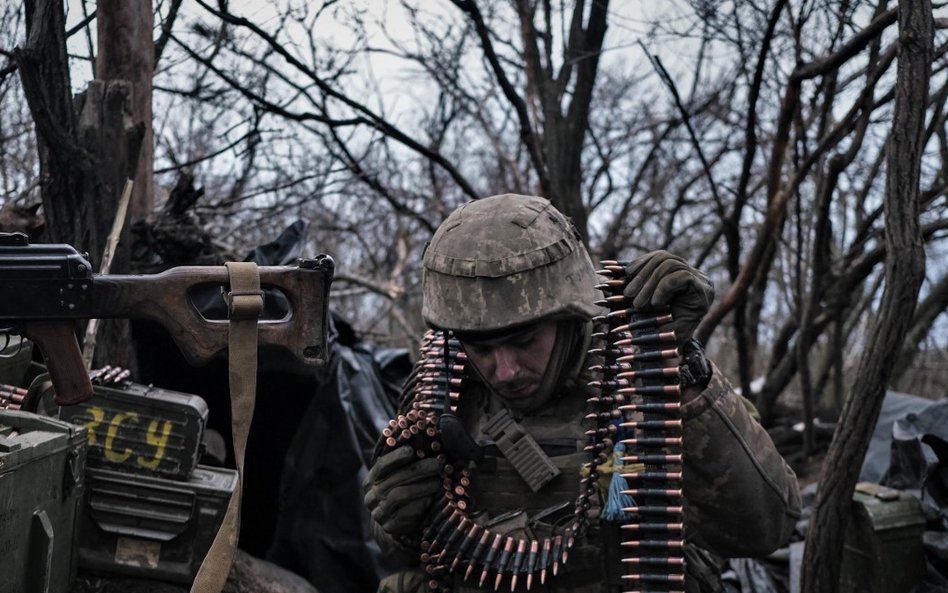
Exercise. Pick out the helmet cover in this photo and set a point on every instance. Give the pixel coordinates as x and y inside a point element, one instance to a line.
<point>505,261</point>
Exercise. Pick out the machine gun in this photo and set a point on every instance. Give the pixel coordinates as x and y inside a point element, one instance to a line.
<point>46,289</point>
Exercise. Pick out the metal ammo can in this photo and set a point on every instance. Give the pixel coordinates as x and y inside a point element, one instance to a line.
<point>152,527</point>
<point>883,550</point>
<point>42,463</point>
<point>150,510</point>
<point>142,429</point>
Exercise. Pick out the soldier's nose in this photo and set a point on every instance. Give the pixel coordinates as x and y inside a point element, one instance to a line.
<point>506,367</point>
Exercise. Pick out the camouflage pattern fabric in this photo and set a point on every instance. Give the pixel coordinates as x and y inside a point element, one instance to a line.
<point>741,497</point>
<point>504,261</point>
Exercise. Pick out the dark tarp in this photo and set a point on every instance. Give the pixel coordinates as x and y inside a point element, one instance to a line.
<point>322,530</point>
<point>897,408</point>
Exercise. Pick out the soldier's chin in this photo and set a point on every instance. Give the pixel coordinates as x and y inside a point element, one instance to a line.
<point>523,399</point>
<point>519,397</point>
<point>519,403</point>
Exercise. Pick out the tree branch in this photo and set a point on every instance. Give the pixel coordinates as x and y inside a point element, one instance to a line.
<point>370,118</point>
<point>528,134</point>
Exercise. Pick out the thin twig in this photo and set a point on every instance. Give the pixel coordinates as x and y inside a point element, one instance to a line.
<point>88,348</point>
<point>670,84</point>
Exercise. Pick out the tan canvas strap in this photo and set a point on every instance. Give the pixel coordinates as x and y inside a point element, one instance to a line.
<point>245,305</point>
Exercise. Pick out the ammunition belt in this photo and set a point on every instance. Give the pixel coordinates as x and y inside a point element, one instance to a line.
<point>640,411</point>
<point>452,540</point>
<point>12,397</point>
<point>638,394</point>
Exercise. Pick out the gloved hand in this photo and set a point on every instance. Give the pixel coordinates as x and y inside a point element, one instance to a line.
<point>661,280</point>
<point>400,489</point>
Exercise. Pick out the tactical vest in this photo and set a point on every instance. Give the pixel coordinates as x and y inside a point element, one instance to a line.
<point>505,502</point>
<point>502,499</point>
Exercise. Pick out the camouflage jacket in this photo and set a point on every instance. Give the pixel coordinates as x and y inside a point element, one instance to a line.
<point>741,498</point>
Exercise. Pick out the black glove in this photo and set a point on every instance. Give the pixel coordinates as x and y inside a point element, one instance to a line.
<point>661,280</point>
<point>400,489</point>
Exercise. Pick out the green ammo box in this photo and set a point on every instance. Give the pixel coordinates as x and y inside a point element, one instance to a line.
<point>42,461</point>
<point>883,550</point>
<point>142,429</point>
<point>151,527</point>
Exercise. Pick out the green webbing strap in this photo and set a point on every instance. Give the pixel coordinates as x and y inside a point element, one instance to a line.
<point>245,304</point>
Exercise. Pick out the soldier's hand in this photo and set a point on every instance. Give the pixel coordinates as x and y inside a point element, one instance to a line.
<point>400,489</point>
<point>661,280</point>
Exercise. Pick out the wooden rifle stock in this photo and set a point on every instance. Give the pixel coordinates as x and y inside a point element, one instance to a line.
<point>168,298</point>
<point>63,358</point>
<point>44,289</point>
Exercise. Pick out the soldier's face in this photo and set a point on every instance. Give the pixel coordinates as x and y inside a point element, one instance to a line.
<point>514,364</point>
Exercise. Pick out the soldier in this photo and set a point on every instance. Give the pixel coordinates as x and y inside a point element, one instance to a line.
<point>509,276</point>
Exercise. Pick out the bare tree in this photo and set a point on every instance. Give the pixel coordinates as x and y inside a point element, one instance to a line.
<point>765,171</point>
<point>904,272</point>
<point>86,154</point>
<point>784,151</point>
<point>759,153</point>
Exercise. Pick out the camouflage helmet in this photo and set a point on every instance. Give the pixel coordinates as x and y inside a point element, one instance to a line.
<point>504,261</point>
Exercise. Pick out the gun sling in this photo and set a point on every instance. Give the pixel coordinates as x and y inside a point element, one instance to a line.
<point>245,304</point>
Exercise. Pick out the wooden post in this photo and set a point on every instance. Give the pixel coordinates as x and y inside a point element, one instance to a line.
<point>126,51</point>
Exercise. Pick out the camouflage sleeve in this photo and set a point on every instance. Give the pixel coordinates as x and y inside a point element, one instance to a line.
<point>741,497</point>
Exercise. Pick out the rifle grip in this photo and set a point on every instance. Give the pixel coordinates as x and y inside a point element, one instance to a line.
<point>57,341</point>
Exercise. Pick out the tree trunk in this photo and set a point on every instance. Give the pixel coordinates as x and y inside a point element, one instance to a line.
<point>107,132</point>
<point>87,150</point>
<point>44,74</point>
<point>126,52</point>
<point>904,272</point>
<point>564,130</point>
